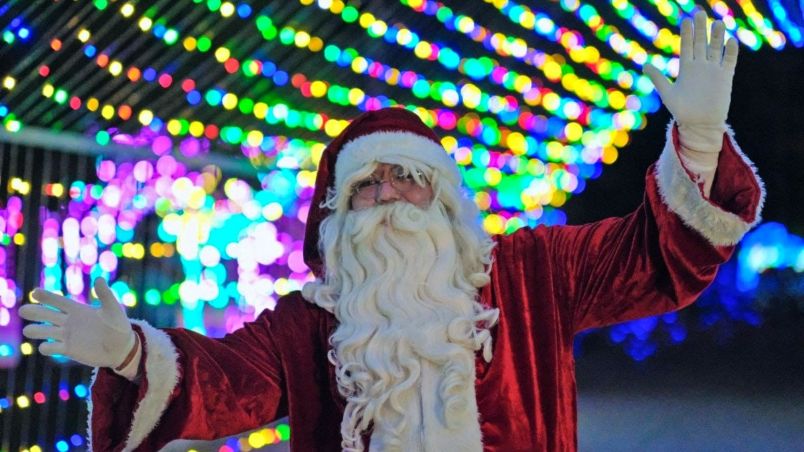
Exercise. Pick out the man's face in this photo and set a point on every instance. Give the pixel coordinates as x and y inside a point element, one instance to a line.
<point>390,183</point>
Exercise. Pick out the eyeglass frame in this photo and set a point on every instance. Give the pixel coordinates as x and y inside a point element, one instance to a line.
<point>398,174</point>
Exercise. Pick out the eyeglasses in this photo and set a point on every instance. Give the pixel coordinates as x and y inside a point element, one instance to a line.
<point>400,179</point>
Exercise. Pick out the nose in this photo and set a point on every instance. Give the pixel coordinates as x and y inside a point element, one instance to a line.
<point>386,193</point>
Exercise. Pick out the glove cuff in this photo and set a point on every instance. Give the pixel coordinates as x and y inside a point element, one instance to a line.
<point>135,348</point>
<point>702,138</point>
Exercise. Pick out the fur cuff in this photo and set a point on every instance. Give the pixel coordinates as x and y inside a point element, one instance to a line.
<point>683,196</point>
<point>161,377</point>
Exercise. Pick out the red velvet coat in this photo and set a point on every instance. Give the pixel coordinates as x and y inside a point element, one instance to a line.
<point>549,283</point>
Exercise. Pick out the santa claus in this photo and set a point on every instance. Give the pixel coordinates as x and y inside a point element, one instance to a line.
<point>421,332</point>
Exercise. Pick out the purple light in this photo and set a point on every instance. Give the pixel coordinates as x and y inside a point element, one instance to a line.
<point>190,147</point>
<point>162,145</point>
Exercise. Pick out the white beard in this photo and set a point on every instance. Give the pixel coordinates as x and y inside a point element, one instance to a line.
<point>409,328</point>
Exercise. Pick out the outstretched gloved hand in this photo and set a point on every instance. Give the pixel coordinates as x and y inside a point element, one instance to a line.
<point>699,99</point>
<point>98,337</point>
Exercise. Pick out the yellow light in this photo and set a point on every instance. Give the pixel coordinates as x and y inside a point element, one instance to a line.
<point>57,190</point>
<point>482,200</point>
<point>337,6</point>
<point>145,24</point>
<point>366,19</point>
<point>189,43</point>
<point>359,65</point>
<point>333,127</point>
<point>551,101</point>
<point>174,127</point>
<point>48,90</point>
<point>316,44</point>
<point>522,83</point>
<point>145,117</point>
<point>229,101</point>
<point>610,155</point>
<point>139,251</point>
<point>617,100</point>
<point>9,83</point>
<point>196,129</point>
<point>222,54</point>
<point>379,27</point>
<point>517,143</point>
<point>423,50</point>
<point>573,131</point>
<point>84,35</point>
<point>552,70</point>
<point>115,68</point>
<point>19,239</point>
<point>620,138</point>
<point>254,138</point>
<point>127,10</point>
<point>227,9</point>
<point>157,250</point>
<point>558,199</point>
<point>318,88</point>
<point>23,401</point>
<point>260,110</point>
<point>272,211</point>
<point>494,224</point>
<point>92,104</point>
<point>26,348</point>
<point>302,39</point>
<point>107,112</point>
<point>493,176</point>
<point>129,299</point>
<point>356,96</point>
<point>255,440</point>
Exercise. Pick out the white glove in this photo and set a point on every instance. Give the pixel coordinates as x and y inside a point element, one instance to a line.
<point>699,99</point>
<point>98,337</point>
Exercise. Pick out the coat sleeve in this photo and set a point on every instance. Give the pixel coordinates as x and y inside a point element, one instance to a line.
<point>660,257</point>
<point>191,387</point>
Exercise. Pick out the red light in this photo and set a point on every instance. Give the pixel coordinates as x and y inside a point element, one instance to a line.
<point>103,60</point>
<point>75,103</point>
<point>231,65</point>
<point>39,397</point>
<point>211,131</point>
<point>187,85</point>
<point>44,71</point>
<point>165,80</point>
<point>297,80</point>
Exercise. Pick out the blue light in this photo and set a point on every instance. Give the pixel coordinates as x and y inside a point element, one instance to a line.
<point>23,33</point>
<point>194,97</point>
<point>4,403</point>
<point>149,74</point>
<point>3,111</point>
<point>243,10</point>
<point>268,68</point>
<point>280,78</point>
<point>76,440</point>
<point>90,51</point>
<point>6,350</point>
<point>62,446</point>
<point>80,391</point>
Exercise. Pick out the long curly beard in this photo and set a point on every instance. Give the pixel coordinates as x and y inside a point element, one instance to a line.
<point>403,301</point>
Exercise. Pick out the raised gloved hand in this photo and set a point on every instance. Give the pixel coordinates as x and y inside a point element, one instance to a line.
<point>98,337</point>
<point>699,99</point>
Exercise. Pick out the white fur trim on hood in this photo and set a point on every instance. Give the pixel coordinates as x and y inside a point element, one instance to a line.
<point>382,145</point>
<point>683,196</point>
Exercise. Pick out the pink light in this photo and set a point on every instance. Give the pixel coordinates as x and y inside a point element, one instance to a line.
<point>106,170</point>
<point>161,145</point>
<point>166,165</point>
<point>108,261</point>
<point>143,171</point>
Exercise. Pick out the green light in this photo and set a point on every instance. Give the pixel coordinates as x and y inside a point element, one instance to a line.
<point>213,97</point>
<point>171,36</point>
<point>349,14</point>
<point>102,138</point>
<point>203,44</point>
<point>8,37</point>
<point>246,106</point>
<point>421,89</point>
<point>287,35</point>
<point>284,431</point>
<point>101,4</point>
<point>331,53</point>
<point>213,5</point>
<point>13,126</point>
<point>60,97</point>
<point>263,23</point>
<point>153,297</point>
<point>444,14</point>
